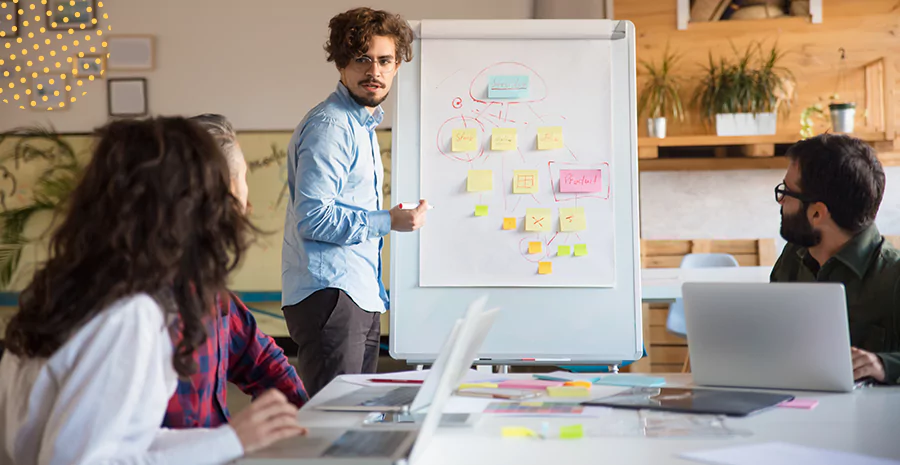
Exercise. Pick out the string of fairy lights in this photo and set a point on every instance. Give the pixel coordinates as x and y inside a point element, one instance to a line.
<point>34,69</point>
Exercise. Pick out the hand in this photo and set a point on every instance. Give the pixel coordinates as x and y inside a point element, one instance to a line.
<point>409,220</point>
<point>866,364</point>
<point>270,418</point>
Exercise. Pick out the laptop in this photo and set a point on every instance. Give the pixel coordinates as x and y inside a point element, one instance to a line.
<point>379,446</point>
<point>414,398</point>
<point>792,336</point>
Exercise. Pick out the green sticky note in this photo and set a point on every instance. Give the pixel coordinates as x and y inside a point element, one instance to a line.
<point>580,250</point>
<point>481,210</point>
<point>563,251</point>
<point>571,432</point>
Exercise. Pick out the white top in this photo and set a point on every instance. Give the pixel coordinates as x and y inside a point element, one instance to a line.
<point>101,398</point>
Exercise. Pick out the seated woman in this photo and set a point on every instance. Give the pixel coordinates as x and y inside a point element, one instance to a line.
<point>151,233</point>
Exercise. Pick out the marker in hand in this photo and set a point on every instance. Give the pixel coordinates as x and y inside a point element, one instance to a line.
<point>412,206</point>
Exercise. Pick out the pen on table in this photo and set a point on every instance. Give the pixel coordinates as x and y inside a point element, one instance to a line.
<point>411,206</point>
<point>396,381</point>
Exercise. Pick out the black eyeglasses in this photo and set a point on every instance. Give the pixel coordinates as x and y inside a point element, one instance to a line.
<point>782,190</point>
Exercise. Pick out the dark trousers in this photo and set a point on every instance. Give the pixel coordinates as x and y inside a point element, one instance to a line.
<point>334,336</point>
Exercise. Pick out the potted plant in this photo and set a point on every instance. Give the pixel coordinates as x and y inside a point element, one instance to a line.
<point>843,114</point>
<point>743,97</point>
<point>660,95</point>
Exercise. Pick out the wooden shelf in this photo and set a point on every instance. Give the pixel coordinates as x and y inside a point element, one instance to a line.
<point>712,164</point>
<point>712,140</point>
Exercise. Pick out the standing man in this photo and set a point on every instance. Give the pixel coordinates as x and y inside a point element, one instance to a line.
<point>333,295</point>
<point>829,198</point>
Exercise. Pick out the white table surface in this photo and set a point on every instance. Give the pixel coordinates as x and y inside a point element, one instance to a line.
<point>664,284</point>
<point>866,422</point>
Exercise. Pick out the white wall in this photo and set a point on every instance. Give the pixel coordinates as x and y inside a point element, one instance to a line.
<point>731,205</point>
<point>259,62</point>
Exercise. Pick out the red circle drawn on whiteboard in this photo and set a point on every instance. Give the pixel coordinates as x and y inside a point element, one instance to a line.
<point>457,103</point>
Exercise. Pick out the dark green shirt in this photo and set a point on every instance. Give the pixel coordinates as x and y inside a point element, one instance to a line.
<point>869,268</point>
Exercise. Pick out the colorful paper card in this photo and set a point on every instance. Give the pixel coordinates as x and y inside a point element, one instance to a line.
<point>572,219</point>
<point>549,138</point>
<point>504,139</point>
<point>529,384</point>
<point>545,267</point>
<point>805,404</point>
<point>464,140</point>
<point>534,408</point>
<point>537,219</point>
<point>517,432</point>
<point>568,391</point>
<point>525,181</point>
<point>571,432</point>
<point>480,181</point>
<point>535,247</point>
<point>481,210</point>
<point>563,251</point>
<point>509,224</point>
<point>580,250</point>
<point>507,87</point>
<point>580,181</point>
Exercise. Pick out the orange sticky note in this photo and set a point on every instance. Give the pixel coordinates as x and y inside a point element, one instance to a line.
<point>545,267</point>
<point>534,247</point>
<point>509,223</point>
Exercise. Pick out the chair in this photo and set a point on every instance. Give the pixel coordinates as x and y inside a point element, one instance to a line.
<point>675,323</point>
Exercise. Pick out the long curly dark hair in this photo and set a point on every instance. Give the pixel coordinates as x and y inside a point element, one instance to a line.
<point>153,214</point>
<point>351,31</point>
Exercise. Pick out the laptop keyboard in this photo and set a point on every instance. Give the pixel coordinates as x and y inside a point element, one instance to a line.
<point>395,397</point>
<point>366,444</point>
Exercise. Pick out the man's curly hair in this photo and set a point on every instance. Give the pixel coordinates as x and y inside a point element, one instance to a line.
<point>352,30</point>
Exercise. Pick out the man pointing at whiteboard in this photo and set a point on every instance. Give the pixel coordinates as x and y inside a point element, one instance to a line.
<point>332,293</point>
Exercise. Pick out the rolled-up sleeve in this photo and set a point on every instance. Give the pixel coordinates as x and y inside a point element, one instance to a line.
<point>325,156</point>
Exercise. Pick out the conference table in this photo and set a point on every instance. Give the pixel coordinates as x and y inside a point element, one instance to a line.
<point>660,285</point>
<point>865,422</point>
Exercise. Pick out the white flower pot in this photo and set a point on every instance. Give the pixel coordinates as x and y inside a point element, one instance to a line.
<point>842,117</point>
<point>656,127</point>
<point>746,124</point>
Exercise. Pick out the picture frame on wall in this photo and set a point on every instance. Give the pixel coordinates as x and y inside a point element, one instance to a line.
<point>89,65</point>
<point>48,91</point>
<point>71,14</point>
<point>9,20</point>
<point>130,53</point>
<point>127,97</point>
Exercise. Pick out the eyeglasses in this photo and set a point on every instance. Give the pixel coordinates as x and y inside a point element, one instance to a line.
<point>363,63</point>
<point>782,190</point>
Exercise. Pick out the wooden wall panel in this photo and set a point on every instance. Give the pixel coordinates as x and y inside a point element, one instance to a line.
<point>867,29</point>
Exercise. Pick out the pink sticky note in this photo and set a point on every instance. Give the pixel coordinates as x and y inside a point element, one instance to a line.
<point>580,180</point>
<point>529,384</point>
<point>807,404</point>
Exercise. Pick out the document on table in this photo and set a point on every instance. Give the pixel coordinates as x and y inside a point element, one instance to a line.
<point>780,453</point>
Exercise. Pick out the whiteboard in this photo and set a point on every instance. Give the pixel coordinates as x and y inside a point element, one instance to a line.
<point>588,309</point>
<point>465,247</point>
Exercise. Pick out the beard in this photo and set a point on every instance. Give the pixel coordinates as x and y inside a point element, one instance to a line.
<point>370,102</point>
<point>797,230</point>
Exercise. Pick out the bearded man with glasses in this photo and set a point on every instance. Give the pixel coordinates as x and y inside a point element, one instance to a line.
<point>332,292</point>
<point>829,198</point>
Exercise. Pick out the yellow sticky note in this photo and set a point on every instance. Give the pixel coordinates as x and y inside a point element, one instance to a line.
<point>503,139</point>
<point>478,385</point>
<point>537,219</point>
<point>572,219</point>
<point>579,383</point>
<point>480,180</point>
<point>571,432</point>
<point>568,391</point>
<point>535,247</point>
<point>464,140</point>
<point>545,267</point>
<point>525,181</point>
<point>481,210</point>
<point>518,432</point>
<point>580,250</point>
<point>563,251</point>
<point>549,138</point>
<point>509,224</point>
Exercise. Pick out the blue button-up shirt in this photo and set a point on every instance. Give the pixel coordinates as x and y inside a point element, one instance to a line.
<point>334,226</point>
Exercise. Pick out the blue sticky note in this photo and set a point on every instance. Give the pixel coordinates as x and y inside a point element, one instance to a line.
<point>631,380</point>
<point>507,87</point>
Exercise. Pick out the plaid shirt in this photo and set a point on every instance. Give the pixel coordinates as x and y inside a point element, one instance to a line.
<point>236,351</point>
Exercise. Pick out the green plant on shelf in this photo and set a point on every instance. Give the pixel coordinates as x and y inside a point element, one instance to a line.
<point>660,94</point>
